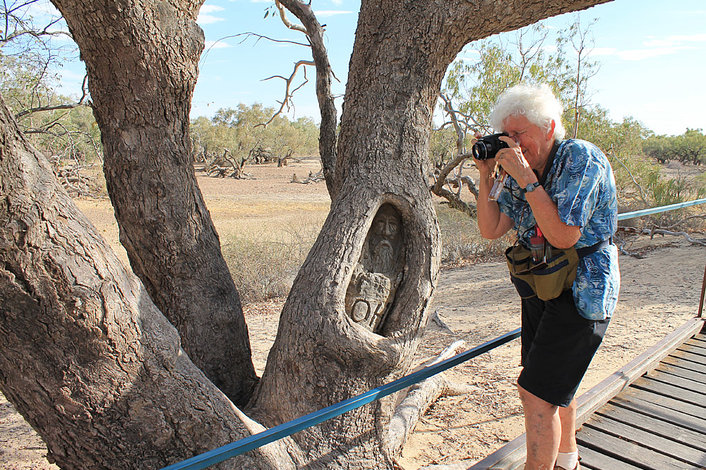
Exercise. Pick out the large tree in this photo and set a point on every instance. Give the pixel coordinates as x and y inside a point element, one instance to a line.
<point>86,355</point>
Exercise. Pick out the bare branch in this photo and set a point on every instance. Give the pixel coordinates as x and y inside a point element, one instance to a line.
<point>285,20</point>
<point>37,109</point>
<point>453,199</point>
<point>260,36</point>
<point>288,92</point>
<point>460,134</point>
<point>643,195</point>
<point>329,116</point>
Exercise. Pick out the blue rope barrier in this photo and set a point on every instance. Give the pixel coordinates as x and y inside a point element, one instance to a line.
<point>241,446</point>
<point>656,210</point>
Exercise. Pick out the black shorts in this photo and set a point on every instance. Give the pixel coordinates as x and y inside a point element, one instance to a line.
<point>557,347</point>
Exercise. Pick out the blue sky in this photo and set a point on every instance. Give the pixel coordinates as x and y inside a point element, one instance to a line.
<point>652,57</point>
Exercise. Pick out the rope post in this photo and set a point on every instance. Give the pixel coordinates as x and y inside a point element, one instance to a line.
<point>703,291</point>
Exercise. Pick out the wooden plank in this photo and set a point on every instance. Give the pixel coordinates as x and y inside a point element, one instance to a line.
<point>681,372</point>
<point>681,382</point>
<point>667,402</point>
<point>689,356</point>
<point>621,379</point>
<point>694,349</point>
<point>593,460</point>
<point>503,458</point>
<point>697,342</point>
<point>648,440</point>
<point>597,396</point>
<point>675,360</point>
<point>627,451</point>
<point>693,423</point>
<point>668,390</point>
<point>657,426</point>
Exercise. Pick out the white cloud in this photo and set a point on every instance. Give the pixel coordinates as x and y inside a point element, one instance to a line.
<point>210,9</point>
<point>216,45</point>
<point>638,54</point>
<point>654,47</point>
<point>327,13</point>
<point>208,19</point>
<point>337,2</point>
<point>674,41</point>
<point>642,54</point>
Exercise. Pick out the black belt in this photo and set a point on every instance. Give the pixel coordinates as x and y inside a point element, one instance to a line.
<point>587,250</point>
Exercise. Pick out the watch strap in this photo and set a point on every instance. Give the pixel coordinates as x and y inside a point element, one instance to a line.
<point>532,186</point>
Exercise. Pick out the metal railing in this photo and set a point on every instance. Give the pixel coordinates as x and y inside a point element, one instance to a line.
<point>268,436</point>
<point>657,210</point>
<point>286,429</point>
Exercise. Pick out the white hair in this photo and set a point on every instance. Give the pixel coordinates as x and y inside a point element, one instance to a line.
<point>537,103</point>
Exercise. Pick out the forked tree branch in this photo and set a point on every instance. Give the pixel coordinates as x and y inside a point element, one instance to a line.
<point>329,116</point>
<point>288,91</point>
<point>454,199</point>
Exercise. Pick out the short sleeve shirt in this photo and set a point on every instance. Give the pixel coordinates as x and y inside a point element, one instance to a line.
<point>580,182</point>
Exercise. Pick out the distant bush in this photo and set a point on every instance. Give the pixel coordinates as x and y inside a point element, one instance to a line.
<point>240,133</point>
<point>689,147</point>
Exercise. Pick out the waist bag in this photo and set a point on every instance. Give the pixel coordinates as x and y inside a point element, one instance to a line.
<point>548,279</point>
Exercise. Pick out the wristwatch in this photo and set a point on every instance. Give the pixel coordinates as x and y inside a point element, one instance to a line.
<point>532,186</point>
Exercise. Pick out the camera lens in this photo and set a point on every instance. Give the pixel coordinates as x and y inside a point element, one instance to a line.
<point>480,150</point>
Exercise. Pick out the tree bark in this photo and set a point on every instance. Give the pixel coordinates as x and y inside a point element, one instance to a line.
<point>85,355</point>
<point>141,58</point>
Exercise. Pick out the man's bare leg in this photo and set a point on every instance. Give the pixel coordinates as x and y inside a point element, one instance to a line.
<point>543,431</point>
<point>567,416</point>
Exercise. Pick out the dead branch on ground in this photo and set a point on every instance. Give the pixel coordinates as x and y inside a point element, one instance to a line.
<point>312,178</point>
<point>412,405</point>
<point>227,166</point>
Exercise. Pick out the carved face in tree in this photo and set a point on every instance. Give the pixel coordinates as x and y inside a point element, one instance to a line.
<point>384,242</point>
<point>379,271</point>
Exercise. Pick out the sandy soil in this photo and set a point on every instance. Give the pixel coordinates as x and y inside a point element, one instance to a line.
<point>477,303</point>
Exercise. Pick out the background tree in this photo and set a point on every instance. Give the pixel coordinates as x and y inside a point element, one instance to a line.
<point>64,128</point>
<point>689,147</point>
<point>141,103</point>
<point>472,87</point>
<point>238,136</point>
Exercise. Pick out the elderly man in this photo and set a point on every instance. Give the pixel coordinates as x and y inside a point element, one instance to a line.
<point>560,198</point>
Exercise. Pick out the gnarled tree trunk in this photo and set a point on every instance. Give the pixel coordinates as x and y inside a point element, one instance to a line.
<point>141,58</point>
<point>85,355</point>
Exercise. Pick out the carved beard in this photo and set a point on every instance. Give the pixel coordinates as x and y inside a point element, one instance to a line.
<point>383,257</point>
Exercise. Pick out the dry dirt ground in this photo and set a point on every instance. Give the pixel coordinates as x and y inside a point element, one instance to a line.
<point>659,293</point>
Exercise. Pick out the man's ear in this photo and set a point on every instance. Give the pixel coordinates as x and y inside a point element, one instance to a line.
<point>550,130</point>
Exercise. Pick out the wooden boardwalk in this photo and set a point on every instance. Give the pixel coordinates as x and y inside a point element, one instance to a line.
<point>651,414</point>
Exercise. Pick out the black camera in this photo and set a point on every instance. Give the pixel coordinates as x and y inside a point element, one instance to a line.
<point>488,146</point>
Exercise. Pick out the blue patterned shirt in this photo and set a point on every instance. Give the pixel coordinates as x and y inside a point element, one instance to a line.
<point>580,181</point>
